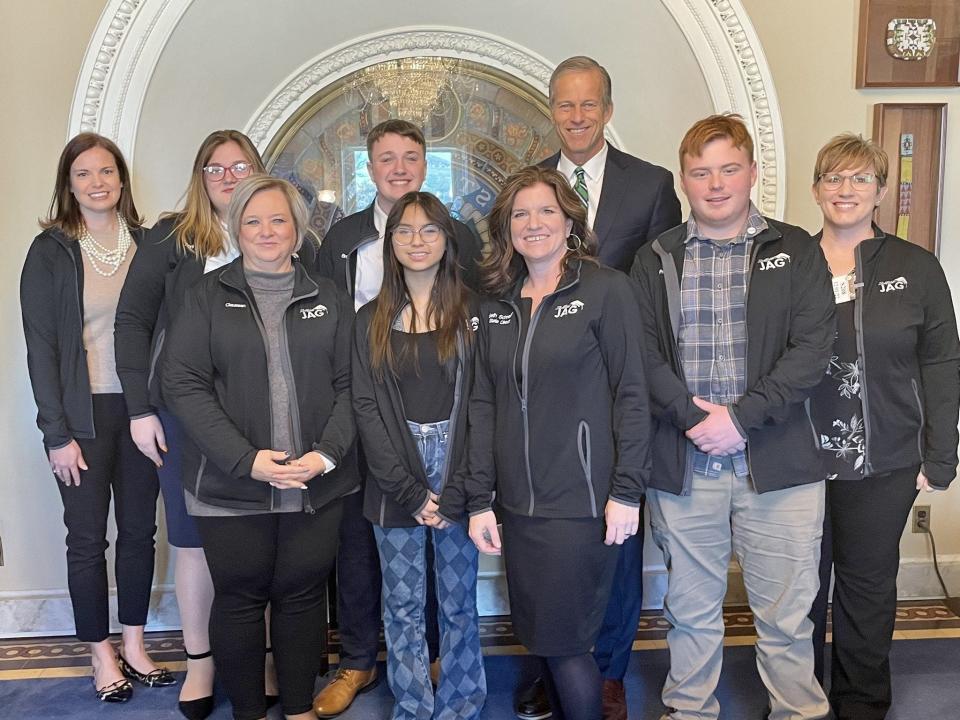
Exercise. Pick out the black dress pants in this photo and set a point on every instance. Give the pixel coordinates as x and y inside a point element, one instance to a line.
<point>116,467</point>
<point>863,522</point>
<point>280,559</point>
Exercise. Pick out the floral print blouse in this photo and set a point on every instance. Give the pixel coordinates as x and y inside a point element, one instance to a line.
<point>835,405</point>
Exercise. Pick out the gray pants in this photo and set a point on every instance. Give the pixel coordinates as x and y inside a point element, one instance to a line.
<point>776,537</point>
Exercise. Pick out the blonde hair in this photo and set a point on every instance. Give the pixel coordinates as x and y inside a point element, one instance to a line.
<point>245,191</point>
<point>848,150</point>
<point>197,227</point>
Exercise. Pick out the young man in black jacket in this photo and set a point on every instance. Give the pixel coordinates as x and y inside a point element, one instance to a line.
<point>738,314</point>
<point>352,256</point>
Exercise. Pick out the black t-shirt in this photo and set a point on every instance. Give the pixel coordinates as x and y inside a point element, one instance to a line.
<point>426,388</point>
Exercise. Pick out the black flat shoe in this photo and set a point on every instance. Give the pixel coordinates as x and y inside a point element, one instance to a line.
<point>116,692</point>
<point>200,708</point>
<point>159,677</point>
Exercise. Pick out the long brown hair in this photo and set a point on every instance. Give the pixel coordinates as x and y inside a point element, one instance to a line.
<point>447,310</point>
<point>500,269</point>
<point>64,213</point>
<point>197,228</point>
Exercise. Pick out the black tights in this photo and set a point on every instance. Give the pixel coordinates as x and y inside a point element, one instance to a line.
<point>574,685</point>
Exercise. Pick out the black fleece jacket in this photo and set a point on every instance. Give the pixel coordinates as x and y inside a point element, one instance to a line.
<point>51,302</point>
<point>909,358</point>
<point>790,330</point>
<point>153,293</point>
<point>215,381</point>
<point>399,489</point>
<point>576,430</point>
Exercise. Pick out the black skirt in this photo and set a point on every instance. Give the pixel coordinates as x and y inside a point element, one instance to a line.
<point>559,575</point>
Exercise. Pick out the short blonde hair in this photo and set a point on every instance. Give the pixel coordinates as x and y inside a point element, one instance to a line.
<point>249,187</point>
<point>848,150</point>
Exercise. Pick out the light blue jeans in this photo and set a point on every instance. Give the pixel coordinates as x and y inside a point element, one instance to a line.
<point>463,685</point>
<point>776,537</point>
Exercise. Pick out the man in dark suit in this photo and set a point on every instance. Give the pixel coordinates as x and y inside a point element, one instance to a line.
<point>629,202</point>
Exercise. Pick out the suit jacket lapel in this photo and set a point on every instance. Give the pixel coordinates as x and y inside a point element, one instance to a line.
<point>614,186</point>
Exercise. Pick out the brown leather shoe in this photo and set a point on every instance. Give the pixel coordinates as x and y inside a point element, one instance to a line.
<point>614,700</point>
<point>341,691</point>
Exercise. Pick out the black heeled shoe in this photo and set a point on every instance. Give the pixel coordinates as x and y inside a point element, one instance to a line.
<point>158,677</point>
<point>200,708</point>
<point>116,692</point>
<point>271,699</point>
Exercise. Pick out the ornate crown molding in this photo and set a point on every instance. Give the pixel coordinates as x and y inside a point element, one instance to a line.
<point>131,34</point>
<point>120,60</point>
<point>738,77</point>
<point>358,53</point>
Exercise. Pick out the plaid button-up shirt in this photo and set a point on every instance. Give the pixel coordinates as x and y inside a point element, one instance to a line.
<point>713,323</point>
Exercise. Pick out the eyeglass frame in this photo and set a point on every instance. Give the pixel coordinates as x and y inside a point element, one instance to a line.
<point>210,171</point>
<point>843,178</point>
<point>416,231</point>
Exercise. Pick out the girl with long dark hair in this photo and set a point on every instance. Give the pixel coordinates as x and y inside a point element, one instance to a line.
<point>412,370</point>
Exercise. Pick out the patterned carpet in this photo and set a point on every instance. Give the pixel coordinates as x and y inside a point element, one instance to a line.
<point>49,678</point>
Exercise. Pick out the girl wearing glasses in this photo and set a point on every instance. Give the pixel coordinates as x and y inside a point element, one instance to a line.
<point>412,371</point>
<point>68,294</point>
<point>885,414</point>
<point>177,252</point>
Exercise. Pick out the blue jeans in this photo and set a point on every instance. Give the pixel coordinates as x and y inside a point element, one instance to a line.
<point>463,685</point>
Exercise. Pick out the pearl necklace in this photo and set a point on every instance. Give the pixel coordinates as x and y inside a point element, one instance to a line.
<point>113,259</point>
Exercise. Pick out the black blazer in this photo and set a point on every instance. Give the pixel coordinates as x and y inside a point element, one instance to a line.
<point>637,203</point>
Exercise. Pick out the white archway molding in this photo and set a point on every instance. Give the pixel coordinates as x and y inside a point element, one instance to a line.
<point>131,35</point>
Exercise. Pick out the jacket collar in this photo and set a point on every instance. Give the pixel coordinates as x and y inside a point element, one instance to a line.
<point>570,277</point>
<point>233,276</point>
<point>673,240</point>
<point>867,248</point>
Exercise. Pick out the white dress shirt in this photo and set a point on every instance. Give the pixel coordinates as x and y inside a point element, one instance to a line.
<point>592,176</point>
<point>369,275</point>
<point>226,256</point>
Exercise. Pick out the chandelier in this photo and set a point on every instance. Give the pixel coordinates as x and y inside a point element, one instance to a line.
<point>414,88</point>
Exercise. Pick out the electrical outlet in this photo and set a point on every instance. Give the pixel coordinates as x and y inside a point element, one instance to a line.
<point>921,518</point>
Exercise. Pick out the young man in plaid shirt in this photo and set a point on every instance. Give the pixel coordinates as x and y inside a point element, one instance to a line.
<point>739,320</point>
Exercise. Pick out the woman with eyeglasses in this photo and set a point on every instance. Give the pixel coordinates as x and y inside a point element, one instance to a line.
<point>885,414</point>
<point>180,249</point>
<point>68,295</point>
<point>412,373</point>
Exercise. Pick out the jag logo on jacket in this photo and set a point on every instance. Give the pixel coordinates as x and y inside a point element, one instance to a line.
<point>772,263</point>
<point>886,286</point>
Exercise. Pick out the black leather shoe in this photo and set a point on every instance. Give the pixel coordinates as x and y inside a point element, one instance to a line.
<point>199,708</point>
<point>116,692</point>
<point>533,702</point>
<point>158,677</point>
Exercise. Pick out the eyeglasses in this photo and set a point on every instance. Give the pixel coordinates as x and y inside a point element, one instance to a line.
<point>239,170</point>
<point>860,181</point>
<point>403,234</point>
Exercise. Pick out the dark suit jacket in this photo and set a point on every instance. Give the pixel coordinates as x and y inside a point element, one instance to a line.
<point>637,203</point>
